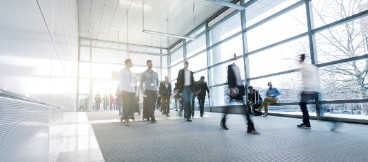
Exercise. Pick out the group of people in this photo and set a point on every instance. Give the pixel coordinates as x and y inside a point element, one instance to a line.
<point>188,89</point>
<point>152,88</point>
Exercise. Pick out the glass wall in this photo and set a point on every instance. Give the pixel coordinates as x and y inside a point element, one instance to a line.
<point>101,61</point>
<point>276,33</point>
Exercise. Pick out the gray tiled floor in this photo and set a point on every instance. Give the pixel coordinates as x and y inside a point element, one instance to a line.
<point>174,139</point>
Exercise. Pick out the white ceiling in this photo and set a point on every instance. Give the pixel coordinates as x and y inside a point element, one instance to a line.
<point>104,19</point>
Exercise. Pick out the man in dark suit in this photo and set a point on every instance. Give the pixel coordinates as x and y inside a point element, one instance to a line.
<point>201,88</point>
<point>165,93</point>
<point>186,87</point>
<point>237,91</point>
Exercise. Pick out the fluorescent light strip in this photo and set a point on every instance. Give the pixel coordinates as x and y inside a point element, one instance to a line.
<point>228,4</point>
<point>166,34</point>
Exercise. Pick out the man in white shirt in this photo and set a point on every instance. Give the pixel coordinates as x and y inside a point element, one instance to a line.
<point>126,88</point>
<point>311,88</point>
<point>186,87</point>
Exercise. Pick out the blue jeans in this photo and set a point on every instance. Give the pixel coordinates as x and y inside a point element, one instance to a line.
<point>187,98</point>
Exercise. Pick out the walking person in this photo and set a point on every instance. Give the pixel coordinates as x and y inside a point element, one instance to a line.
<point>202,88</point>
<point>311,88</point>
<point>127,92</point>
<point>165,93</point>
<point>186,87</point>
<point>149,79</point>
<point>237,91</point>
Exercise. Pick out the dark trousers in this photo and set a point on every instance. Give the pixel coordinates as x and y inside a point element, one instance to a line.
<point>246,113</point>
<point>150,103</point>
<point>128,99</point>
<point>305,97</point>
<point>201,104</point>
<point>187,101</point>
<point>165,104</point>
<point>193,106</point>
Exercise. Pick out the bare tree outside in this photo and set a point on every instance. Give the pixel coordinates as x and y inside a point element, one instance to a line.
<point>346,80</point>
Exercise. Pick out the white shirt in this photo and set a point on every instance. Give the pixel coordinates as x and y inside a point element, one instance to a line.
<point>186,77</point>
<point>237,75</point>
<point>126,80</point>
<point>310,77</point>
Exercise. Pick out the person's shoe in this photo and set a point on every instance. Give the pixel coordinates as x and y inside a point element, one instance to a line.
<point>253,132</point>
<point>167,115</point>
<point>126,122</point>
<point>305,126</point>
<point>201,115</point>
<point>148,119</point>
<point>153,121</point>
<point>188,120</point>
<point>176,109</point>
<point>223,125</point>
<point>265,114</point>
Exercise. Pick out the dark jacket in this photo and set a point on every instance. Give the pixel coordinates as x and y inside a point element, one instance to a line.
<point>255,97</point>
<point>231,79</point>
<point>163,91</point>
<point>201,87</point>
<point>181,80</point>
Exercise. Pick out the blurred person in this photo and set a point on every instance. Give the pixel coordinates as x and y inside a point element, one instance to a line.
<point>186,87</point>
<point>126,87</point>
<point>254,100</point>
<point>176,97</point>
<point>311,88</point>
<point>119,101</point>
<point>237,91</point>
<point>201,89</point>
<point>149,79</point>
<point>165,93</point>
<point>98,101</point>
<point>271,98</point>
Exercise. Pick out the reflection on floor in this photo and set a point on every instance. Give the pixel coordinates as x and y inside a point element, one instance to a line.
<point>79,141</point>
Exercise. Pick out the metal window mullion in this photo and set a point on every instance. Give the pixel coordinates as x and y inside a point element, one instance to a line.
<point>243,22</point>
<point>312,49</point>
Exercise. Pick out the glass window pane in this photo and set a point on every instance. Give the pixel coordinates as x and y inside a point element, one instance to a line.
<point>225,29</point>
<point>262,9</point>
<point>105,55</point>
<point>325,12</point>
<point>84,69</point>
<point>218,74</point>
<point>279,58</point>
<point>198,75</point>
<point>177,56</point>
<point>196,46</point>
<point>84,54</point>
<point>288,85</point>
<point>198,62</point>
<point>175,71</point>
<point>164,61</point>
<point>141,59</point>
<point>104,71</point>
<point>347,110</point>
<point>226,50</point>
<point>345,81</point>
<point>285,26</point>
<point>83,86</point>
<point>344,41</point>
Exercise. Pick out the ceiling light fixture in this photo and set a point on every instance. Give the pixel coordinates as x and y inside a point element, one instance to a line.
<point>160,33</point>
<point>228,4</point>
<point>166,34</point>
